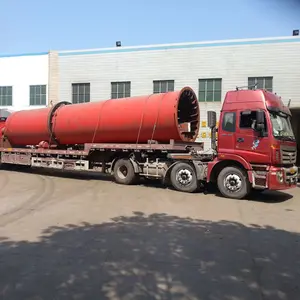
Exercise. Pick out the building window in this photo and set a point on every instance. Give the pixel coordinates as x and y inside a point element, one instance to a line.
<point>261,83</point>
<point>120,89</point>
<point>5,95</point>
<point>210,90</point>
<point>80,92</point>
<point>229,120</point>
<point>163,86</point>
<point>38,95</point>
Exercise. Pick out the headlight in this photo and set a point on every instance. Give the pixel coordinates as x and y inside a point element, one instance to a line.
<point>279,176</point>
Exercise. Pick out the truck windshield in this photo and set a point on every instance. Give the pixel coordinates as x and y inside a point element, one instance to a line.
<point>281,126</point>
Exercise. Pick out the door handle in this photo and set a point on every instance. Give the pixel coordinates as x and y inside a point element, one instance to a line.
<point>240,140</point>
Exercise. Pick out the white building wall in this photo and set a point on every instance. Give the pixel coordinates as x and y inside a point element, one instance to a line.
<point>20,72</point>
<point>233,61</point>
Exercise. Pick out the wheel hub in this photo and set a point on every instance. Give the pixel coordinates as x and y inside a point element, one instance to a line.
<point>122,172</point>
<point>184,176</point>
<point>233,182</point>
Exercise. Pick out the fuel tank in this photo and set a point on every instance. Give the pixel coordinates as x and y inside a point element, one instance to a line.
<point>161,117</point>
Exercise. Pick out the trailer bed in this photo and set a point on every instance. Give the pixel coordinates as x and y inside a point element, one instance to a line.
<point>172,146</point>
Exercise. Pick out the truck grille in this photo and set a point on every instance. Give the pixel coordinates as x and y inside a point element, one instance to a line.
<point>288,155</point>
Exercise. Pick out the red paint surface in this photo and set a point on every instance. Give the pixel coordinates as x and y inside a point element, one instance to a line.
<point>2,125</point>
<point>274,184</point>
<point>127,120</point>
<point>27,127</point>
<point>237,102</point>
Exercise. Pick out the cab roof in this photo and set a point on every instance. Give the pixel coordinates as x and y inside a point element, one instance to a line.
<point>253,99</point>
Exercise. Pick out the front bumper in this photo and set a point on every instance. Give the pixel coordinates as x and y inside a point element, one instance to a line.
<point>282,178</point>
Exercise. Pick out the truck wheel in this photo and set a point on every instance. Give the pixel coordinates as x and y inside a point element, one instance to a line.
<point>183,178</point>
<point>233,183</point>
<point>124,172</point>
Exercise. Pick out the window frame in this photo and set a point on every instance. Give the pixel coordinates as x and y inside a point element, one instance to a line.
<point>5,95</point>
<point>76,97</point>
<point>126,85</point>
<point>241,115</point>
<point>34,95</point>
<point>234,121</point>
<point>250,128</point>
<point>208,90</point>
<point>255,80</point>
<point>159,90</point>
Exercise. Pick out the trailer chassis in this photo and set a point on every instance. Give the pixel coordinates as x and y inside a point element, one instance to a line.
<point>183,165</point>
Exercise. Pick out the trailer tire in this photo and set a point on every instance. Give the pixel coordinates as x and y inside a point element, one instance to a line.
<point>183,178</point>
<point>124,172</point>
<point>233,183</point>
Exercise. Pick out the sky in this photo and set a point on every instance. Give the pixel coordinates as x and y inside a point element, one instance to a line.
<point>40,25</point>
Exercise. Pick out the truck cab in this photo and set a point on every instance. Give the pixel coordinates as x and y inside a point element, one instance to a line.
<point>4,113</point>
<point>2,125</point>
<point>256,146</point>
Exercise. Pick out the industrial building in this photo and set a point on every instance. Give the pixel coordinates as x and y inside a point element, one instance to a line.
<point>210,68</point>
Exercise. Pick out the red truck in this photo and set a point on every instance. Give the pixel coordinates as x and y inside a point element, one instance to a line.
<point>154,137</point>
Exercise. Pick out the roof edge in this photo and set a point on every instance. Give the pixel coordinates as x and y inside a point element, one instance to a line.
<point>186,45</point>
<point>164,47</point>
<point>246,41</point>
<point>24,54</point>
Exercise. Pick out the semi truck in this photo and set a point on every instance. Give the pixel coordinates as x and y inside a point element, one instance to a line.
<point>154,137</point>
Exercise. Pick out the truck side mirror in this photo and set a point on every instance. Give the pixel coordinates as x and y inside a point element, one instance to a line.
<point>212,119</point>
<point>260,117</point>
<point>260,122</point>
<point>260,126</point>
<point>212,123</point>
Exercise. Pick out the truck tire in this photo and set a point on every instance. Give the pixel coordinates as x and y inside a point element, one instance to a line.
<point>233,183</point>
<point>124,172</point>
<point>183,178</point>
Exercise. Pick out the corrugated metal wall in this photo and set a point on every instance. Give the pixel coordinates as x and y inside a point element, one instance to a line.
<point>234,62</point>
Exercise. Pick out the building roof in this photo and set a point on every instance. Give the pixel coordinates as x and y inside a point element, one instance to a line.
<point>24,54</point>
<point>216,43</point>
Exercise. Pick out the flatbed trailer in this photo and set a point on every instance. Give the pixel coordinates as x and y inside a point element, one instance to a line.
<point>184,165</point>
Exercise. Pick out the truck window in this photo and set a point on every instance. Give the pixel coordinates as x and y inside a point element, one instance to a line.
<point>248,120</point>
<point>229,120</point>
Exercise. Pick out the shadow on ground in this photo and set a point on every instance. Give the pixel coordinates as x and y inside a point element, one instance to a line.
<point>153,257</point>
<point>257,195</point>
<point>78,175</point>
<point>267,196</point>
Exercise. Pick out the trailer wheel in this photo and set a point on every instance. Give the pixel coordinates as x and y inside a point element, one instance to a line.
<point>183,178</point>
<point>233,183</point>
<point>124,172</point>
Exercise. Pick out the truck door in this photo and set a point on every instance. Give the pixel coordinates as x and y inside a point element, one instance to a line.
<point>250,144</point>
<point>226,132</point>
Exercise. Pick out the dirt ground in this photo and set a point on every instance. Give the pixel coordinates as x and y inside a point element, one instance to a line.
<point>85,237</point>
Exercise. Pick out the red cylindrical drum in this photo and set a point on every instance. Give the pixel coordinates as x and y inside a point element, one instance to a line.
<point>161,117</point>
<point>27,127</point>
